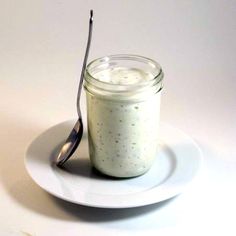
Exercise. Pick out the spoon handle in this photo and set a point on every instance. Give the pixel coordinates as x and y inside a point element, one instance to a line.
<point>85,62</point>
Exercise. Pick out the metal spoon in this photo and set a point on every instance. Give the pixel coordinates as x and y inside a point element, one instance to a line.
<point>75,136</point>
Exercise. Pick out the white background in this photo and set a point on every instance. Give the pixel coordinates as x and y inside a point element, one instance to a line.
<point>42,45</point>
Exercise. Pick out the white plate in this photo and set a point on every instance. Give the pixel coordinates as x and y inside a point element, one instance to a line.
<point>177,163</point>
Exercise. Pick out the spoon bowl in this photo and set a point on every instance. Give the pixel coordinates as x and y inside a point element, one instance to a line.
<point>71,143</point>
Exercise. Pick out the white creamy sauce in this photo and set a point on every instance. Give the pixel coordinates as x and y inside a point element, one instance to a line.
<point>123,134</point>
<point>123,76</point>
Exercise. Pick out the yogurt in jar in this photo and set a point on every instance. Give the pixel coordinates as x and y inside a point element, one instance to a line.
<point>123,121</point>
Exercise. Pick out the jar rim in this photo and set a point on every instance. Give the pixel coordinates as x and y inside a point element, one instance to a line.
<point>157,78</point>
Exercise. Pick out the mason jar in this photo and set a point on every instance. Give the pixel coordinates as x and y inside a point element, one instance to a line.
<point>123,95</point>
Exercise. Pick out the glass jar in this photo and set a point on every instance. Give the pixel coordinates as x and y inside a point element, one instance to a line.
<point>123,109</point>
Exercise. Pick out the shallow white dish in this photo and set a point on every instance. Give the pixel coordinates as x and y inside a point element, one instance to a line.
<point>177,163</point>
